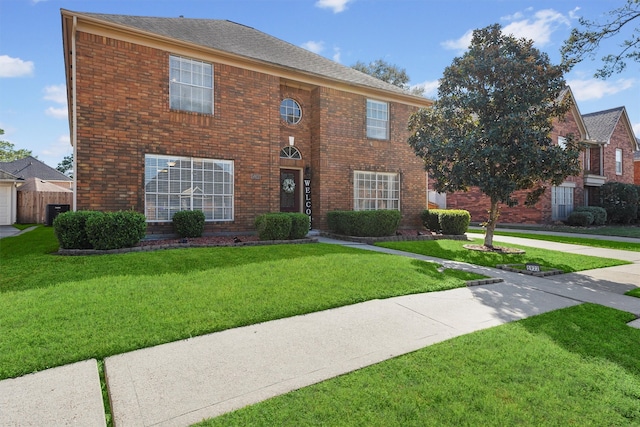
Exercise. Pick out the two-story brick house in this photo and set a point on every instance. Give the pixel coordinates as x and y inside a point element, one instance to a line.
<point>174,113</point>
<point>608,156</point>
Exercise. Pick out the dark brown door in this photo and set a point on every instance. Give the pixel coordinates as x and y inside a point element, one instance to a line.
<point>289,190</point>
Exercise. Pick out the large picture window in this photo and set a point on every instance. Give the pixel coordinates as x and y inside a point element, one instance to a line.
<point>190,85</point>
<point>175,184</point>
<point>561,202</point>
<point>375,191</point>
<point>377,119</point>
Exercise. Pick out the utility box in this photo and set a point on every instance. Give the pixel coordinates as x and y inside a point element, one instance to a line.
<point>54,210</point>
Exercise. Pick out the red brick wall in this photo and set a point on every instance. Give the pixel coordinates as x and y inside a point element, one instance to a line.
<point>478,204</point>
<point>123,113</point>
<point>636,174</point>
<point>619,139</point>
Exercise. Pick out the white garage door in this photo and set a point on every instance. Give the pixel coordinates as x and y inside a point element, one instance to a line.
<point>5,205</point>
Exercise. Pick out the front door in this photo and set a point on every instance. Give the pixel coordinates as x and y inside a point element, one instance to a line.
<point>289,190</point>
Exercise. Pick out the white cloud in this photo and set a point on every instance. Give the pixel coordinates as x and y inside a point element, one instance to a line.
<point>573,14</point>
<point>57,113</point>
<point>59,148</point>
<point>460,44</point>
<point>538,27</point>
<point>15,67</point>
<point>315,47</point>
<point>337,53</point>
<point>56,93</point>
<point>636,129</point>
<point>430,88</point>
<point>336,5</point>
<point>586,89</point>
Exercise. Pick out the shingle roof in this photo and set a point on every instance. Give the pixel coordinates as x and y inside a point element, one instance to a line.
<point>30,167</point>
<point>248,42</point>
<point>6,176</point>
<point>601,124</point>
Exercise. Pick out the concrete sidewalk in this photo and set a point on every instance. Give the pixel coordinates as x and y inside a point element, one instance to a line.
<point>181,383</point>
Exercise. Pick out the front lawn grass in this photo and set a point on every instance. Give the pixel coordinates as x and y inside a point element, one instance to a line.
<point>597,243</point>
<point>56,309</point>
<point>453,250</point>
<point>577,366</point>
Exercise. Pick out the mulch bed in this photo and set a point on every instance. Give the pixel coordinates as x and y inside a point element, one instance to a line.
<point>496,249</point>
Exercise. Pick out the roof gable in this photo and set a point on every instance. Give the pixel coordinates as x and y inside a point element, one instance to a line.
<point>30,167</point>
<point>247,42</point>
<point>602,124</point>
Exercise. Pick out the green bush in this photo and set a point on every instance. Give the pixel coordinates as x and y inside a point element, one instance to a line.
<point>431,219</point>
<point>114,230</point>
<point>189,223</point>
<point>273,226</point>
<point>454,222</point>
<point>364,223</point>
<point>620,201</point>
<point>599,214</point>
<point>70,229</point>
<point>299,225</point>
<point>580,218</point>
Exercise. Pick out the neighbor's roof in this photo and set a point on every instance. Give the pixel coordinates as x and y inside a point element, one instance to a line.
<point>6,176</point>
<point>238,39</point>
<point>30,167</point>
<point>42,186</point>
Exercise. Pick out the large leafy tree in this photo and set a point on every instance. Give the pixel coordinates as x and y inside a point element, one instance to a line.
<point>8,153</point>
<point>66,166</point>
<point>389,73</point>
<point>585,41</point>
<point>490,126</point>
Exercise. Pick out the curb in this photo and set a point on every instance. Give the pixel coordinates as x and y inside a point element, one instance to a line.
<point>507,267</point>
<point>479,282</point>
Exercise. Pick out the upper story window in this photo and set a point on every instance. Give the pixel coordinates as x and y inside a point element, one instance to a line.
<point>190,85</point>
<point>618,161</point>
<point>562,142</point>
<point>290,111</point>
<point>377,119</point>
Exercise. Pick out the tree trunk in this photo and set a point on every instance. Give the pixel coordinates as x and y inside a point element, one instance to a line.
<point>494,213</point>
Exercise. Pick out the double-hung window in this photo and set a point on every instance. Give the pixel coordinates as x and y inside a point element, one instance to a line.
<point>618,161</point>
<point>190,85</point>
<point>561,202</point>
<point>175,184</point>
<point>375,191</point>
<point>377,119</point>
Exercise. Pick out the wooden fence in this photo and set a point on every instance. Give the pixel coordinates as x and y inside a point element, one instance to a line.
<point>32,205</point>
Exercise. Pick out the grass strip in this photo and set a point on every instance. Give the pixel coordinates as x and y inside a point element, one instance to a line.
<point>597,243</point>
<point>56,310</point>
<point>454,250</point>
<point>576,366</point>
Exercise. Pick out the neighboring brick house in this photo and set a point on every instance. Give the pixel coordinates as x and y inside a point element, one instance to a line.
<point>609,157</point>
<point>636,163</point>
<point>175,113</point>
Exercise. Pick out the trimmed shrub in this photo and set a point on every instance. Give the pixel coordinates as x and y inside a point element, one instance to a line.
<point>273,226</point>
<point>454,221</point>
<point>70,229</point>
<point>114,230</point>
<point>364,223</point>
<point>620,201</point>
<point>580,218</point>
<point>189,223</point>
<point>599,214</point>
<point>299,225</point>
<point>431,219</point>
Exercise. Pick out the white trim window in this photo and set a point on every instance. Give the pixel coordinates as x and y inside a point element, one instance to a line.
<point>175,184</point>
<point>190,85</point>
<point>375,191</point>
<point>562,142</point>
<point>377,119</point>
<point>561,202</point>
<point>618,161</point>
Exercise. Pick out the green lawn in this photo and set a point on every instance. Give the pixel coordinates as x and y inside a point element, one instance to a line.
<point>59,309</point>
<point>578,366</point>
<point>598,243</point>
<point>607,230</point>
<point>453,250</point>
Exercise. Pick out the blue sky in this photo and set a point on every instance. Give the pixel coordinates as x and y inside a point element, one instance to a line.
<point>421,36</point>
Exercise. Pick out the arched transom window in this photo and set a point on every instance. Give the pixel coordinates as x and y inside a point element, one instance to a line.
<point>290,152</point>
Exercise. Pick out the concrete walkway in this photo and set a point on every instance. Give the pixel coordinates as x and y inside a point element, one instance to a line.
<point>181,383</point>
